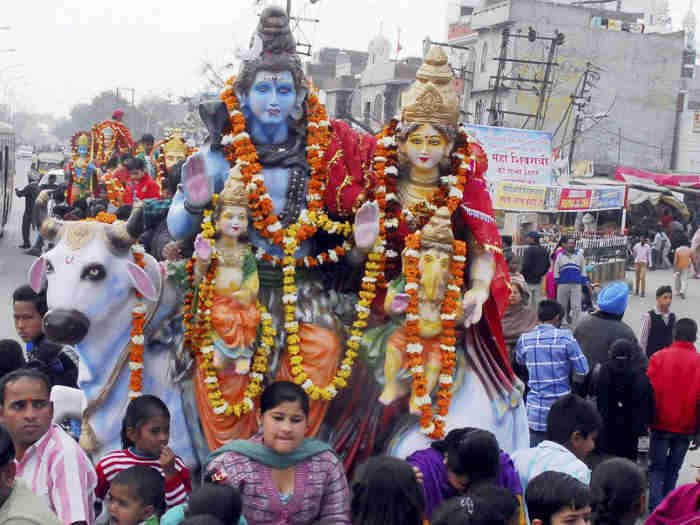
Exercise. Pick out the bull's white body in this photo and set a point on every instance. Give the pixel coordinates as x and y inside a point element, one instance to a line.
<point>109,304</point>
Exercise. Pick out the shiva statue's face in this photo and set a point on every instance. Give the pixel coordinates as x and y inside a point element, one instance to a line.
<point>82,151</point>
<point>272,96</point>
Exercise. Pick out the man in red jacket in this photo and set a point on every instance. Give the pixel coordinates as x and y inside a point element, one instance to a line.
<point>141,186</point>
<point>674,373</point>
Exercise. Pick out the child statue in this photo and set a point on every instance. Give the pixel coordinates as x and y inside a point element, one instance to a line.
<point>229,267</point>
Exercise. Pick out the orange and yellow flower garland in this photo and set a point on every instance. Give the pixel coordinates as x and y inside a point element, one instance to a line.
<point>137,339</point>
<point>449,193</point>
<point>433,425</point>
<point>241,153</point>
<point>391,212</point>
<point>202,339</point>
<point>161,173</point>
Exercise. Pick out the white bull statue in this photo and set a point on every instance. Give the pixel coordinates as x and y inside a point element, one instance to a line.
<point>91,280</point>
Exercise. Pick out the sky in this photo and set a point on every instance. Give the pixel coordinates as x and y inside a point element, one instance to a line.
<point>68,51</point>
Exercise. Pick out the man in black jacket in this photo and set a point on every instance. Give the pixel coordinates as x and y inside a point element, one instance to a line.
<point>535,266</point>
<point>29,192</point>
<point>38,245</point>
<point>28,309</point>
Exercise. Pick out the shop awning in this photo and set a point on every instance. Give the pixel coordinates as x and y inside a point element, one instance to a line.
<point>637,197</point>
<point>635,176</point>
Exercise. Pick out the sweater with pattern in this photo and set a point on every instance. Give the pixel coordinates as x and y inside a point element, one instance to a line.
<point>320,494</point>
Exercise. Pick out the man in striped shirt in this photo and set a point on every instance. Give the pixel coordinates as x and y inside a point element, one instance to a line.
<point>551,355</point>
<point>49,461</point>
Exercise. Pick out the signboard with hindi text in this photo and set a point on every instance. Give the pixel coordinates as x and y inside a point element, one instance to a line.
<point>515,155</point>
<point>575,199</point>
<point>515,196</point>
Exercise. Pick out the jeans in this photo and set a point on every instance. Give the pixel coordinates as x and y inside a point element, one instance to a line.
<point>666,454</point>
<point>535,294</point>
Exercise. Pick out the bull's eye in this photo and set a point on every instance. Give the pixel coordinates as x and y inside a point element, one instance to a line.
<point>49,267</point>
<point>94,272</point>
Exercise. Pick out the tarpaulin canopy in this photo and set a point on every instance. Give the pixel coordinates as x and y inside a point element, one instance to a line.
<point>637,197</point>
<point>634,176</point>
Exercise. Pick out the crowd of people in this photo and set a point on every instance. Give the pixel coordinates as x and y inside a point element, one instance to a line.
<point>592,390</point>
<point>591,393</point>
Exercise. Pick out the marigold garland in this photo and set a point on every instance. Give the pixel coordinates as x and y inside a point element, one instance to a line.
<point>198,335</point>
<point>115,190</point>
<point>72,169</point>
<point>137,340</point>
<point>102,216</point>
<point>241,153</point>
<point>433,425</point>
<point>120,138</point>
<point>386,168</point>
<point>161,173</point>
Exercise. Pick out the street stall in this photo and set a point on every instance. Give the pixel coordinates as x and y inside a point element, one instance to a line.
<point>594,216</point>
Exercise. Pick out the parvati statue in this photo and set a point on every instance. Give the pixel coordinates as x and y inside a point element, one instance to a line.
<point>424,163</point>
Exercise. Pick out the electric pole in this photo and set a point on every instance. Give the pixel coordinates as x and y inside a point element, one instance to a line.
<point>543,92</point>
<point>306,47</point>
<point>580,100</point>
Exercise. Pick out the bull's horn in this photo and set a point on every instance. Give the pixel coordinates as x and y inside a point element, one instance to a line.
<point>40,210</point>
<point>48,227</point>
<point>119,240</point>
<point>135,223</point>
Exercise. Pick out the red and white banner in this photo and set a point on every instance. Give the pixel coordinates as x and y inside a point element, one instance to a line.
<point>634,176</point>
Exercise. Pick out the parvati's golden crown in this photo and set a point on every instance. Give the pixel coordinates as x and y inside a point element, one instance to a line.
<point>83,140</point>
<point>439,229</point>
<point>234,192</point>
<point>176,144</point>
<point>432,98</point>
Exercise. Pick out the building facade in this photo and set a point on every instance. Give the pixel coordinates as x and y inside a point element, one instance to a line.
<point>629,111</point>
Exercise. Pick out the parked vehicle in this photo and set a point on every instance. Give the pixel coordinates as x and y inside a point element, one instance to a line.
<point>7,172</point>
<point>49,160</point>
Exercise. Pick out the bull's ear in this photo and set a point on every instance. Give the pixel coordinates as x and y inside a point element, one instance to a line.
<point>37,274</point>
<point>141,281</point>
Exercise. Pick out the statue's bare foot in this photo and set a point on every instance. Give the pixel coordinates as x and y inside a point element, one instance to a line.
<point>195,182</point>
<point>399,304</point>
<point>242,366</point>
<point>367,226</point>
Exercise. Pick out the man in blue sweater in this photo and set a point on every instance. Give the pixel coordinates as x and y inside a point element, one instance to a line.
<point>568,273</point>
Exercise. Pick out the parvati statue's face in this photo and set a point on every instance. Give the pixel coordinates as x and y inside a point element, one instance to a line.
<point>272,96</point>
<point>434,271</point>
<point>82,151</point>
<point>232,221</point>
<point>425,147</point>
<point>172,158</point>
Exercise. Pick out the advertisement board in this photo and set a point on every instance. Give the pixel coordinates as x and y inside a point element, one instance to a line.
<point>515,155</point>
<point>519,197</point>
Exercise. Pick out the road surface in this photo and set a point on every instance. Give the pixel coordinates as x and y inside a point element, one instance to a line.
<point>14,264</point>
